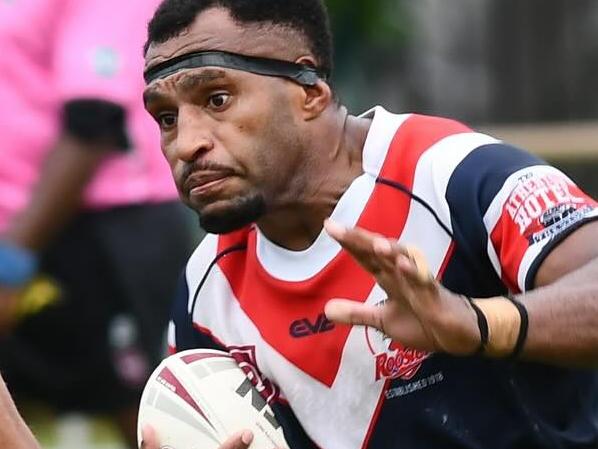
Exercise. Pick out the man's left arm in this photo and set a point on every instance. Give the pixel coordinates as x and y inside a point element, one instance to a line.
<point>563,308</point>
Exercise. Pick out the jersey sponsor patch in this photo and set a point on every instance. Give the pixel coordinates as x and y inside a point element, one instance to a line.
<point>542,205</point>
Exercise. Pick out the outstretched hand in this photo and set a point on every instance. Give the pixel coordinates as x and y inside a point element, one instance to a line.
<point>419,313</point>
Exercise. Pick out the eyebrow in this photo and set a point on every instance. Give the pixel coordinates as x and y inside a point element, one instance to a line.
<point>187,82</point>
<point>196,79</point>
<point>151,95</point>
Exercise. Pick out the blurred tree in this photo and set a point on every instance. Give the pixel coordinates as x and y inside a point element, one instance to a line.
<point>369,38</point>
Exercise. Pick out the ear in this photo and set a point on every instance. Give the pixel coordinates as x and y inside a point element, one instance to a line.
<point>314,99</point>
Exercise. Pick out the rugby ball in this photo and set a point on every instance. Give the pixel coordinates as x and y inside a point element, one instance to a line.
<point>197,399</point>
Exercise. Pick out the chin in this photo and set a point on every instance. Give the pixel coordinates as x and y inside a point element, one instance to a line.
<point>234,215</point>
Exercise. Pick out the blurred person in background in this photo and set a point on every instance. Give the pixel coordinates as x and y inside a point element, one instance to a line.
<point>90,225</point>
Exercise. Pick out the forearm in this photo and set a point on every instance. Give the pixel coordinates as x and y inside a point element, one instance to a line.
<point>14,433</point>
<point>563,319</point>
<point>65,174</point>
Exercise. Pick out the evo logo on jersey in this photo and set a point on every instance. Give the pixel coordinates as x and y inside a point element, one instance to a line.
<point>304,327</point>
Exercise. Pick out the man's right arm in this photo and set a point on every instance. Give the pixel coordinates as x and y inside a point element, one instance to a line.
<point>14,433</point>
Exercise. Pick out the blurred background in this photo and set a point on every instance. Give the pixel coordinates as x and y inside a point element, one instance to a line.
<point>522,70</point>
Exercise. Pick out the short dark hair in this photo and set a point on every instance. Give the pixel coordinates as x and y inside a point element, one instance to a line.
<point>309,17</point>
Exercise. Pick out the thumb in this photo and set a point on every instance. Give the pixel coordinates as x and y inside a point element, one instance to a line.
<point>353,312</point>
<point>149,439</point>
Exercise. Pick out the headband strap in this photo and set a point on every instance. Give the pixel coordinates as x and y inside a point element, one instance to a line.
<point>300,73</point>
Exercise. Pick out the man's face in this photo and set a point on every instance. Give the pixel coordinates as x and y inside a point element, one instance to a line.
<point>232,138</point>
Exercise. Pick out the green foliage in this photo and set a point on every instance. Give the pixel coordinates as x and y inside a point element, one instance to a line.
<point>373,22</point>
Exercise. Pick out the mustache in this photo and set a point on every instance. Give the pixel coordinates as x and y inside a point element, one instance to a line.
<point>204,166</point>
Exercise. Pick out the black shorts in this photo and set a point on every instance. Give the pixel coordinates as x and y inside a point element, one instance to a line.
<point>117,272</point>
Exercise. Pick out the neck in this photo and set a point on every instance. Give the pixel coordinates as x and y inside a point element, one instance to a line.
<point>296,224</point>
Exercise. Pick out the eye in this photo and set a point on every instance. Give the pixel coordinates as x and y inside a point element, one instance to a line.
<point>219,100</point>
<point>167,120</point>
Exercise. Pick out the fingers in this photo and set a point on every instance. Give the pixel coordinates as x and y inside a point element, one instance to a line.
<point>149,440</point>
<point>358,242</point>
<point>353,312</point>
<point>239,440</point>
<point>377,253</point>
<point>412,264</point>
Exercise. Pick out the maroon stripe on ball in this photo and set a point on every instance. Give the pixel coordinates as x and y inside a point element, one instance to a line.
<point>170,381</point>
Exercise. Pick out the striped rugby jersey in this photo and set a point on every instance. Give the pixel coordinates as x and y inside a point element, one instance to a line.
<point>485,215</point>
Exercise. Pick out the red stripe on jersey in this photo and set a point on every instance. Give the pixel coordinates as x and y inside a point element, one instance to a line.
<point>171,350</point>
<point>381,399</point>
<point>415,136</point>
<point>279,308</point>
<point>208,332</point>
<point>510,247</point>
<point>447,258</point>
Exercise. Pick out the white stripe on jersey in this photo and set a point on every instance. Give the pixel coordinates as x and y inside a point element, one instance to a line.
<point>380,136</point>
<point>198,264</point>
<point>171,334</point>
<point>432,176</point>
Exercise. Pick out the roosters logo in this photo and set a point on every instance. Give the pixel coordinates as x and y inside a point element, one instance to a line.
<point>403,364</point>
<point>392,360</point>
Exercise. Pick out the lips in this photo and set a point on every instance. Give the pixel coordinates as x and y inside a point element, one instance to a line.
<point>202,181</point>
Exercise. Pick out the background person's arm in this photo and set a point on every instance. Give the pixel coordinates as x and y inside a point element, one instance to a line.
<point>57,196</point>
<point>92,129</point>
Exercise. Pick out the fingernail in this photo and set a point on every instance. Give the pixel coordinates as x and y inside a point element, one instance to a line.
<point>382,246</point>
<point>247,437</point>
<point>334,229</point>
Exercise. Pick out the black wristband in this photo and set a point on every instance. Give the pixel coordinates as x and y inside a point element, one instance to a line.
<point>523,326</point>
<point>482,326</point>
<point>96,121</point>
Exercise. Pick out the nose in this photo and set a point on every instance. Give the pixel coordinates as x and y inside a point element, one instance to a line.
<point>194,137</point>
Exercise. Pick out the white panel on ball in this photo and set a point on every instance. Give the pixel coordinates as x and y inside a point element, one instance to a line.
<point>196,399</point>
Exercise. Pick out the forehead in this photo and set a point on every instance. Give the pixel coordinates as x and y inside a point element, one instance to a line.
<point>214,29</point>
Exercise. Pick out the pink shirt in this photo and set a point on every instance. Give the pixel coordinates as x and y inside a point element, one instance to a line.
<point>53,51</point>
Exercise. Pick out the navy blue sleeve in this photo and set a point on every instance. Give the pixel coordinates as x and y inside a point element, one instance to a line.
<point>510,209</point>
<point>474,185</point>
